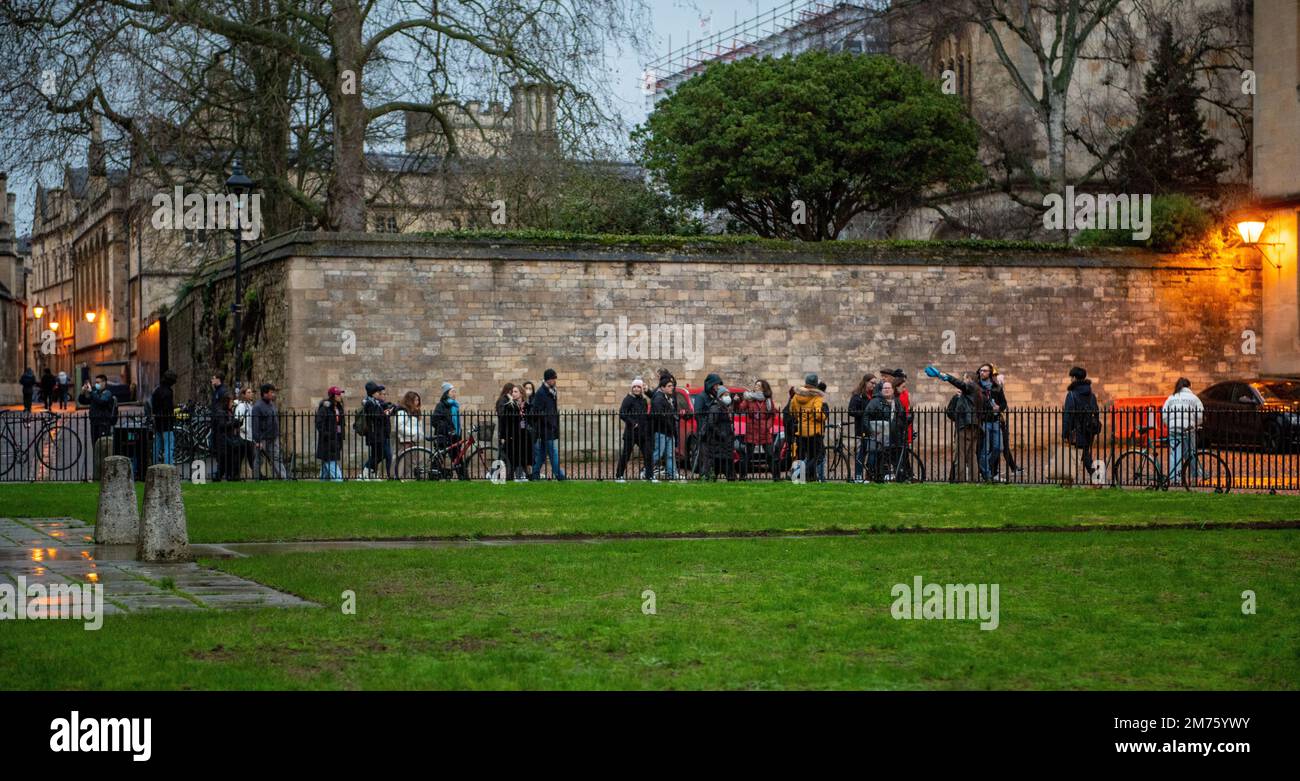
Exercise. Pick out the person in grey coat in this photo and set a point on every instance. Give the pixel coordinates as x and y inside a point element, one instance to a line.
<point>266,435</point>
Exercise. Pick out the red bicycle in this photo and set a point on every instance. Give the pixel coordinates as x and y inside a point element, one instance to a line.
<point>466,459</point>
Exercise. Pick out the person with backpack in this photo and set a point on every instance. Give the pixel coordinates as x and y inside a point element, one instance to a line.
<point>330,420</point>
<point>808,407</point>
<point>635,415</point>
<point>1081,421</point>
<point>372,424</point>
<point>858,412</point>
<point>64,390</point>
<point>965,410</point>
<point>162,408</point>
<point>103,407</point>
<point>717,431</point>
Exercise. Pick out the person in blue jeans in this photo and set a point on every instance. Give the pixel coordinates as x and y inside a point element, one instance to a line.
<point>545,413</point>
<point>663,415</point>
<point>990,425</point>
<point>162,402</point>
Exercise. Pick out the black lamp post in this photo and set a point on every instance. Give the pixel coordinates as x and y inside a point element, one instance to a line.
<point>239,185</point>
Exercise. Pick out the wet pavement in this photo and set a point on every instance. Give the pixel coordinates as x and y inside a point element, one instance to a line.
<point>62,550</point>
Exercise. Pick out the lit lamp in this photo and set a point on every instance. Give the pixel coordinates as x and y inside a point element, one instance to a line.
<point>1250,226</point>
<point>54,325</point>
<point>90,317</point>
<point>39,311</point>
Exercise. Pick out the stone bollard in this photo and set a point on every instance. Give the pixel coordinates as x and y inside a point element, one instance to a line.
<point>163,533</point>
<point>103,448</point>
<point>118,520</point>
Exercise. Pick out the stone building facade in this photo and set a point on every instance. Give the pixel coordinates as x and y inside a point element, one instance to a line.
<point>414,312</point>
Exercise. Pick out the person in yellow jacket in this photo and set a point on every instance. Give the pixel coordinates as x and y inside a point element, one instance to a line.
<point>808,407</point>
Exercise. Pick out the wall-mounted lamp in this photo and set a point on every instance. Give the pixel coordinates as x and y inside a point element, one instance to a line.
<point>90,317</point>
<point>54,325</point>
<point>38,311</point>
<point>1250,226</point>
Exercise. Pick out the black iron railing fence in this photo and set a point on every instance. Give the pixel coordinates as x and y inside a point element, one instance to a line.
<point>1239,449</point>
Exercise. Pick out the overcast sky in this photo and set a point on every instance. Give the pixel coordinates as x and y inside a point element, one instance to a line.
<point>675,20</point>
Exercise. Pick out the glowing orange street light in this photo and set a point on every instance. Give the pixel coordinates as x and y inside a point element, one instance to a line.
<point>90,317</point>
<point>54,325</point>
<point>39,311</point>
<point>1250,226</point>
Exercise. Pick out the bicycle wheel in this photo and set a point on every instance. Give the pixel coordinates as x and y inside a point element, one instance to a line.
<point>1206,472</point>
<point>1136,469</point>
<point>58,448</point>
<point>917,467</point>
<point>418,463</point>
<point>9,451</point>
<point>478,466</point>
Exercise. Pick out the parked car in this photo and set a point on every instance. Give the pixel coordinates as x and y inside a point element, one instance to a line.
<point>1261,413</point>
<point>695,402</point>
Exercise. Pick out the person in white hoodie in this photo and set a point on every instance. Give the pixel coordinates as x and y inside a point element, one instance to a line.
<point>1182,414</point>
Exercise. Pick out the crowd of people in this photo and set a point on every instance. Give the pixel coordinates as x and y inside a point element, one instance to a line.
<point>735,429</point>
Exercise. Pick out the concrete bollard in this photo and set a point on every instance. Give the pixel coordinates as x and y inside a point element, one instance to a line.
<point>103,448</point>
<point>163,532</point>
<point>118,520</point>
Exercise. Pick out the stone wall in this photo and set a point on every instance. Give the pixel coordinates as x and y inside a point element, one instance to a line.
<point>480,313</point>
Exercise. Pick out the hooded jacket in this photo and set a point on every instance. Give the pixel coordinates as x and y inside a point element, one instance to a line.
<point>717,434</point>
<point>1182,411</point>
<point>1078,399</point>
<point>807,407</point>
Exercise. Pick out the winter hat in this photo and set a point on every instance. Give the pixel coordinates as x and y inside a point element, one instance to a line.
<point>447,386</point>
<point>810,379</point>
<point>373,387</point>
<point>638,381</point>
<point>710,383</point>
<point>1078,373</point>
<point>549,374</point>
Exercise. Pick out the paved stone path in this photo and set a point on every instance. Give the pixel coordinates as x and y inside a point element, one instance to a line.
<point>62,550</point>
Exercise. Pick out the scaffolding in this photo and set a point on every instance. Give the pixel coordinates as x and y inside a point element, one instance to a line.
<point>789,28</point>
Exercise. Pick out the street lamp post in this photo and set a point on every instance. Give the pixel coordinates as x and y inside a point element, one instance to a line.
<point>239,185</point>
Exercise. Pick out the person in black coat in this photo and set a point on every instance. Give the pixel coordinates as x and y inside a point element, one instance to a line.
<point>162,405</point>
<point>28,381</point>
<point>884,440</point>
<point>331,418</point>
<point>512,418</point>
<point>717,432</point>
<point>103,407</point>
<point>377,409</point>
<point>664,421</point>
<point>232,449</point>
<point>635,415</point>
<point>545,417</point>
<point>858,410</point>
<point>1081,421</point>
<point>48,384</point>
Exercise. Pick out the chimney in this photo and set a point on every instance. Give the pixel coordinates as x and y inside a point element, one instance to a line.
<point>95,160</point>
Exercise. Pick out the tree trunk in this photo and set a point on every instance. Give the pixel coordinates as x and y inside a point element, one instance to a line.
<point>346,204</point>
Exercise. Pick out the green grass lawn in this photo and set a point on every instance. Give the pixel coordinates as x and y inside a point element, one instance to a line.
<point>1090,610</point>
<point>235,512</point>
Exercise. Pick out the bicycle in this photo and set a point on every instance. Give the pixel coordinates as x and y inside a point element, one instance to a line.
<point>57,447</point>
<point>907,467</point>
<point>469,458</point>
<point>1140,467</point>
<point>193,431</point>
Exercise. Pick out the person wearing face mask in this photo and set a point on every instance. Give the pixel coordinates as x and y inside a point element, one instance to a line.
<point>635,414</point>
<point>760,420</point>
<point>103,407</point>
<point>717,434</point>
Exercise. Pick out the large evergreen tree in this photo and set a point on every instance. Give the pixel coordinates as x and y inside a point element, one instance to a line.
<point>1168,150</point>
